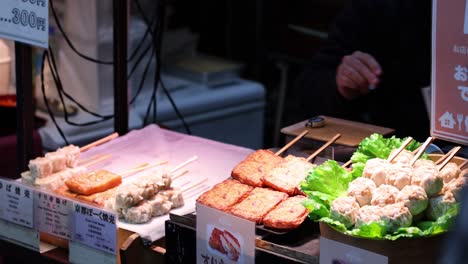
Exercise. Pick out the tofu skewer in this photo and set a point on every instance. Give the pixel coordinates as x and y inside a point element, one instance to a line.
<point>65,157</point>
<point>101,180</point>
<point>146,186</point>
<point>401,148</point>
<point>55,180</point>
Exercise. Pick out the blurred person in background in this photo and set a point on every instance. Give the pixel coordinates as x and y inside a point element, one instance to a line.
<point>372,67</point>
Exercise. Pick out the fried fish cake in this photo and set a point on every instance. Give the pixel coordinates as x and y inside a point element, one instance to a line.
<point>289,214</point>
<point>253,169</point>
<point>287,176</point>
<point>225,194</point>
<point>259,202</point>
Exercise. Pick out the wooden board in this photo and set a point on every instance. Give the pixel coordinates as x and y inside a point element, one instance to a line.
<point>352,133</point>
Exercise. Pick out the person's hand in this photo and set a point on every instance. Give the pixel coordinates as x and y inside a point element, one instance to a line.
<point>357,74</point>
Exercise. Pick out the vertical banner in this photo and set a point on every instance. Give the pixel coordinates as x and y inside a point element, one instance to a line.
<point>449,113</point>
<point>25,21</point>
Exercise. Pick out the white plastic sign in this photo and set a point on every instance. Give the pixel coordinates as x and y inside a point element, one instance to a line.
<point>52,214</point>
<point>94,227</point>
<point>25,21</point>
<point>16,203</point>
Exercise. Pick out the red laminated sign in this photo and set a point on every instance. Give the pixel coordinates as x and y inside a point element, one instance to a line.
<point>449,113</point>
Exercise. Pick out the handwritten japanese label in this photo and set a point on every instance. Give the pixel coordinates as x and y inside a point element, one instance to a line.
<point>25,21</point>
<point>52,214</point>
<point>16,203</point>
<point>94,227</point>
<point>223,238</point>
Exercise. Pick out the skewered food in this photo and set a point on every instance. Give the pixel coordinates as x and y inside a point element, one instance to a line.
<point>368,214</point>
<point>424,163</point>
<point>456,186</point>
<point>376,170</point>
<point>72,154</point>
<point>288,174</point>
<point>414,198</point>
<point>404,157</point>
<point>93,182</point>
<point>344,209</point>
<point>439,205</point>
<point>225,194</point>
<point>173,195</point>
<point>450,172</point>
<point>395,216</point>
<point>58,160</point>
<point>399,175</point>
<point>288,214</point>
<point>54,180</point>
<point>361,188</point>
<point>384,194</point>
<point>142,188</point>
<point>147,209</point>
<point>253,169</point>
<point>257,204</point>
<point>429,178</point>
<point>40,167</point>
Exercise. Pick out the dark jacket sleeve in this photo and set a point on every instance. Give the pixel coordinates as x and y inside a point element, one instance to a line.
<point>351,31</point>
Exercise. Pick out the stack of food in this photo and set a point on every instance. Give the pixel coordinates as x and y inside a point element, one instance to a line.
<point>265,189</point>
<point>54,168</point>
<point>145,197</point>
<point>385,199</point>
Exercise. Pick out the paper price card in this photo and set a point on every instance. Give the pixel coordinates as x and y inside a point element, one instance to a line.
<point>16,203</point>
<point>52,214</point>
<point>223,238</point>
<point>25,21</point>
<point>94,227</point>
<point>333,252</point>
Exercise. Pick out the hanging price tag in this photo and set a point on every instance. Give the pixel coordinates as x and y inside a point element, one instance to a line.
<point>94,227</point>
<point>52,214</point>
<point>16,203</point>
<point>25,21</point>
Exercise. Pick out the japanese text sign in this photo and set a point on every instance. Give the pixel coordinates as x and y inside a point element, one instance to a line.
<point>16,203</point>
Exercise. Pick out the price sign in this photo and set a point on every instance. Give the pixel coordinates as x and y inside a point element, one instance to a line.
<point>16,203</point>
<point>94,227</point>
<point>52,214</point>
<point>449,114</point>
<point>25,21</point>
<point>224,238</point>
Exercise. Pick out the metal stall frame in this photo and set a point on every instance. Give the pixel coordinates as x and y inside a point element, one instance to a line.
<point>24,93</point>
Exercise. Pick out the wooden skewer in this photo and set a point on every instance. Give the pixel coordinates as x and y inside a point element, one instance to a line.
<point>421,150</point>
<point>329,142</point>
<point>102,158</point>
<point>400,149</point>
<point>175,177</point>
<point>140,168</point>
<point>441,159</point>
<point>452,154</point>
<point>347,164</point>
<point>416,150</point>
<point>191,186</point>
<point>91,158</point>
<point>99,142</point>
<point>292,142</point>
<point>463,164</point>
<point>183,164</point>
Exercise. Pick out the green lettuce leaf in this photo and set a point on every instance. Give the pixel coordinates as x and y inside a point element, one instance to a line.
<point>371,230</point>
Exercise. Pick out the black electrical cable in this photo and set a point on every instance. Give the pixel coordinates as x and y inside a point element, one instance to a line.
<point>46,102</point>
<point>158,64</point>
<point>60,90</point>
<point>143,78</point>
<point>70,44</point>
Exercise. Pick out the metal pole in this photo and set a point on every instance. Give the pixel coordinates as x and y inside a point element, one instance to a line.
<point>24,105</point>
<point>120,66</point>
